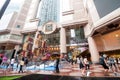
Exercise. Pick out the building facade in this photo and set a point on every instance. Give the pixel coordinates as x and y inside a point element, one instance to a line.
<point>11,25</point>
<point>58,35</point>
<point>72,26</point>
<point>49,12</point>
<point>102,30</point>
<point>74,18</point>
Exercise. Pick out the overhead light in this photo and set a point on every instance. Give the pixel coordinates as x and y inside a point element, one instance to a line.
<point>117,35</point>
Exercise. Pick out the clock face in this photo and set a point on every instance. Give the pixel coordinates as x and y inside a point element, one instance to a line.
<point>49,27</point>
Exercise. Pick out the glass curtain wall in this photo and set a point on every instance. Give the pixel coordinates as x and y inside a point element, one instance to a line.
<point>49,11</point>
<point>105,7</point>
<point>52,39</point>
<point>79,36</point>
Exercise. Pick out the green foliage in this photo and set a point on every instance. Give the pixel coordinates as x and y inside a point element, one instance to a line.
<point>9,77</point>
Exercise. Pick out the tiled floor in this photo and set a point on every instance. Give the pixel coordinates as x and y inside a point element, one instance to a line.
<point>95,71</point>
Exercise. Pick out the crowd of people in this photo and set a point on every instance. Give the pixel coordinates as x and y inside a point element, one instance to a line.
<point>83,62</point>
<point>7,63</point>
<point>20,63</point>
<point>107,62</point>
<point>110,63</point>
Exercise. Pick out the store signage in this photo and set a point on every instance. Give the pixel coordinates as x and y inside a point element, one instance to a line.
<point>49,27</point>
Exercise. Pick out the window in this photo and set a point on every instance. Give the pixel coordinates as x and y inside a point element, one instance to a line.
<point>18,26</point>
<point>105,7</point>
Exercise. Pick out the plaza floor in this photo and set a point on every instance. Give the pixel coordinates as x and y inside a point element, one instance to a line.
<point>70,70</point>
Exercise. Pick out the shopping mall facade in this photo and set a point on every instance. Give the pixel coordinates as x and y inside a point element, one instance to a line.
<point>86,25</point>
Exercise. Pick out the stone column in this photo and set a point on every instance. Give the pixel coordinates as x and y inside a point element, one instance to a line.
<point>33,10</point>
<point>17,48</point>
<point>93,50</point>
<point>92,10</point>
<point>34,45</point>
<point>63,41</point>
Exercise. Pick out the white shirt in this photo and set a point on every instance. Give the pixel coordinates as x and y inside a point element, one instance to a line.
<point>12,61</point>
<point>86,61</point>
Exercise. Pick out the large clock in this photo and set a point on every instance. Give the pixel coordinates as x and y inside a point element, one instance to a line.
<point>49,27</point>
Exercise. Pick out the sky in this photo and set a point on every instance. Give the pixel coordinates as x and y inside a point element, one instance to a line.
<point>65,5</point>
<point>14,5</point>
<point>1,3</point>
<point>13,1</point>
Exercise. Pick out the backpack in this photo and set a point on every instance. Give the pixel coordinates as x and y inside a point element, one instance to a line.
<point>101,61</point>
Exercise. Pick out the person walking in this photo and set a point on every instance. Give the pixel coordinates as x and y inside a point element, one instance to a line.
<point>112,64</point>
<point>87,66</point>
<point>103,63</point>
<point>81,64</point>
<point>12,63</point>
<point>25,63</point>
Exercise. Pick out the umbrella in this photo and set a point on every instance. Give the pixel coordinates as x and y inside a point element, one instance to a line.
<point>55,55</point>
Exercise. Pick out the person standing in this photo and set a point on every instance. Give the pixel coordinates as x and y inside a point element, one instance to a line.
<point>81,65</point>
<point>21,65</point>
<point>17,62</point>
<point>4,61</point>
<point>86,62</point>
<point>57,65</point>
<point>25,63</point>
<point>0,60</point>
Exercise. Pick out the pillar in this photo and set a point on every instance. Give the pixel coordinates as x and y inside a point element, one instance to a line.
<point>17,48</point>
<point>93,50</point>
<point>34,45</point>
<point>33,10</point>
<point>63,41</point>
<point>14,53</point>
